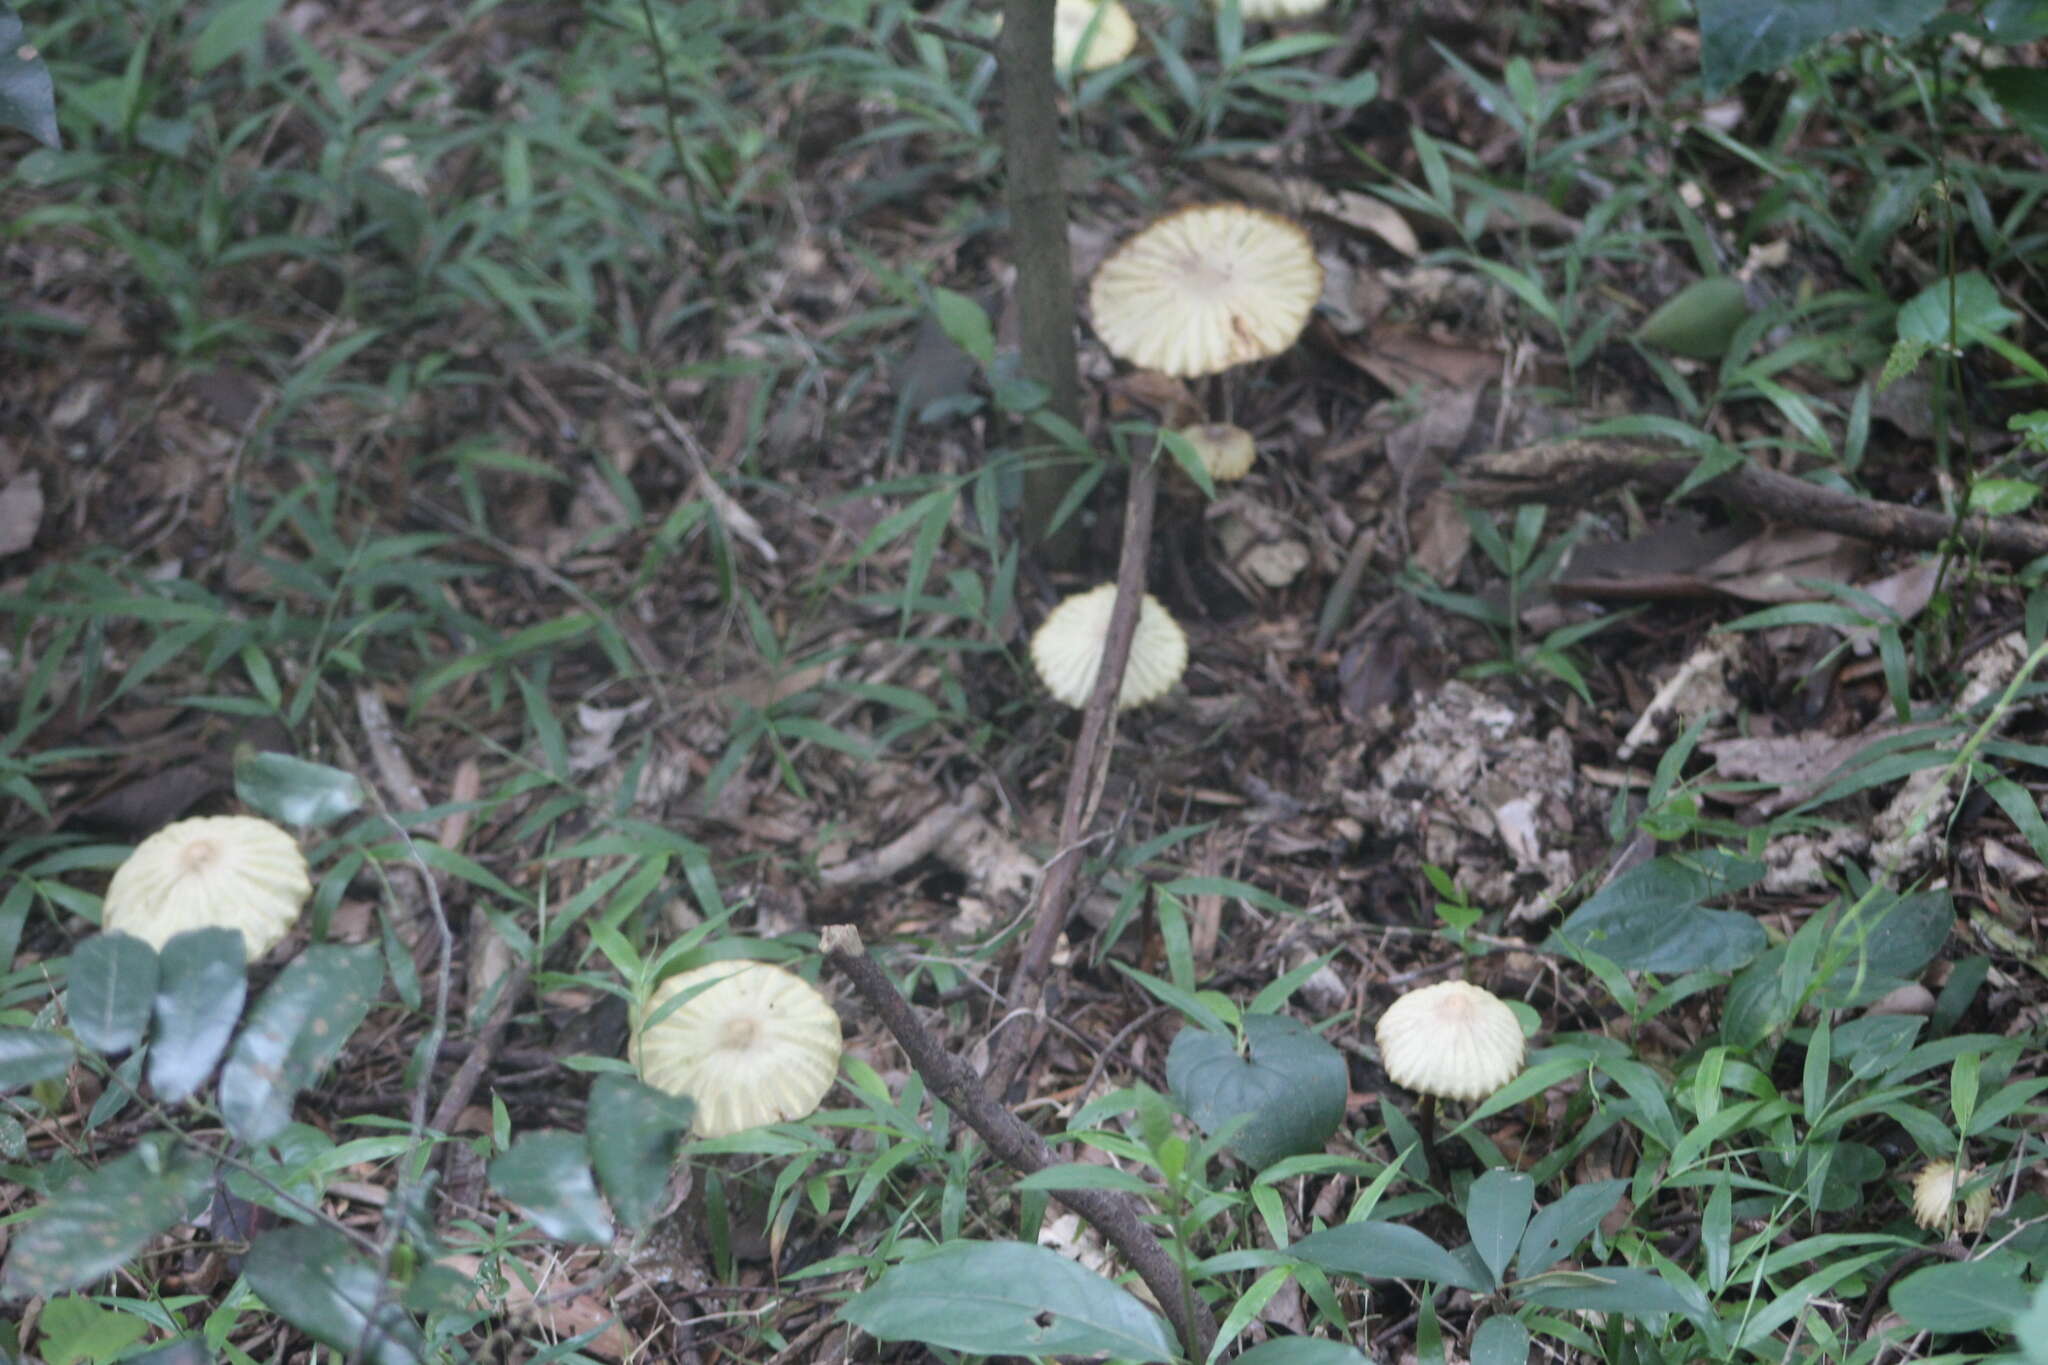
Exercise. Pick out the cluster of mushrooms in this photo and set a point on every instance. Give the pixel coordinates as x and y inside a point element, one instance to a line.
<point>1197,292</point>
<point>1088,35</point>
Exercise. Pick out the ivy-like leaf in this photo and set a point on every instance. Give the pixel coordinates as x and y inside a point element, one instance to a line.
<point>312,1279</point>
<point>548,1176</point>
<point>28,100</point>
<point>633,1135</point>
<point>28,1055</point>
<point>201,984</point>
<point>113,977</point>
<point>99,1221</point>
<point>296,792</point>
<point>297,1028</point>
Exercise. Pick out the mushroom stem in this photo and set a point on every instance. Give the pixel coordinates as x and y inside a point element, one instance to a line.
<point>1437,1174</point>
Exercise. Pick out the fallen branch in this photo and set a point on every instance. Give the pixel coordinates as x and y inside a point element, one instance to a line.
<point>1574,469</point>
<point>880,864</point>
<point>1018,1037</point>
<point>1116,1216</point>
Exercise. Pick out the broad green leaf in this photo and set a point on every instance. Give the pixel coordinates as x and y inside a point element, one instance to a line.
<point>97,1222</point>
<point>1963,1296</point>
<point>965,324</point>
<point>75,1328</point>
<point>1007,1298</point>
<point>201,983</point>
<point>1496,1211</point>
<point>295,792</point>
<point>2002,497</point>
<point>190,1350</point>
<point>236,26</point>
<point>1649,919</point>
<point>315,1281</point>
<point>28,1055</point>
<point>1500,1340</point>
<point>634,1131</point>
<point>1965,309</point>
<point>548,1176</point>
<point>1619,1289</point>
<point>1290,1087</point>
<point>2030,1329</point>
<point>1699,320</point>
<point>1301,1351</point>
<point>2022,91</point>
<point>1385,1251</point>
<point>1557,1229</point>
<point>113,978</point>
<point>1740,37</point>
<point>27,97</point>
<point>300,1025</point>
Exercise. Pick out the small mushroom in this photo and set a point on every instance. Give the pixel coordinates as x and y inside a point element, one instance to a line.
<point>1451,1041</point>
<point>213,872</point>
<point>1082,41</point>
<point>1255,11</point>
<point>1206,288</point>
<point>753,1044</point>
<point>1067,650</point>
<point>1934,1199</point>
<point>1226,451</point>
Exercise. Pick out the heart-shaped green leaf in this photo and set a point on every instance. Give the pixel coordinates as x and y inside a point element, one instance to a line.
<point>633,1133</point>
<point>548,1176</point>
<point>1289,1087</point>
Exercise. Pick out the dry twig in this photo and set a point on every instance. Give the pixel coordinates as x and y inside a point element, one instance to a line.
<point>1114,1215</point>
<point>1014,1044</point>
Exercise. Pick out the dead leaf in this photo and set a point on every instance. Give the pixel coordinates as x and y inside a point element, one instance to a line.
<point>1766,567</point>
<point>1298,196</point>
<point>21,512</point>
<point>558,1318</point>
<point>1406,361</point>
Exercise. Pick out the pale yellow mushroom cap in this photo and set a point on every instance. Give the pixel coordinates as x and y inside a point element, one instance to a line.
<point>214,872</point>
<point>1206,288</point>
<point>1452,1040</point>
<point>1114,37</point>
<point>1226,451</point>
<point>759,1044</point>
<point>1256,11</point>
<point>1934,1198</point>
<point>1067,649</point>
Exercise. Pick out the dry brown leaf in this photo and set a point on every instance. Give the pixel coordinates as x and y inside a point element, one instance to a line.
<point>1766,567</point>
<point>1407,361</point>
<point>21,512</point>
<point>1299,196</point>
<point>560,1319</point>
